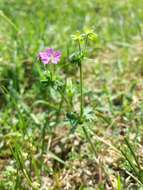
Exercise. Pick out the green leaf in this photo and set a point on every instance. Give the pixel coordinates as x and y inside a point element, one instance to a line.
<point>55,157</point>
<point>119,183</point>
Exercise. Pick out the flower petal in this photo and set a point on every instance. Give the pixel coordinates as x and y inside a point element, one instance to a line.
<point>49,51</point>
<point>50,56</point>
<point>56,57</point>
<point>44,58</point>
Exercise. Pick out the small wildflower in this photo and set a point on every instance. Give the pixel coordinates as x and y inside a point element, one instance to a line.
<point>50,56</point>
<point>77,37</point>
<point>88,31</point>
<point>92,37</point>
<point>90,34</point>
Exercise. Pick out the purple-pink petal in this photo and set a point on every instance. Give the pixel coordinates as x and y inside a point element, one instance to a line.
<point>50,56</point>
<point>57,54</point>
<point>44,58</point>
<point>46,61</point>
<point>49,51</point>
<point>56,57</point>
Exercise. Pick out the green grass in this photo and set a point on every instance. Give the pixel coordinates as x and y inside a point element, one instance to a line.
<point>36,152</point>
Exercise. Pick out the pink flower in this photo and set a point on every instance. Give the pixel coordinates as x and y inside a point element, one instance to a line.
<point>50,56</point>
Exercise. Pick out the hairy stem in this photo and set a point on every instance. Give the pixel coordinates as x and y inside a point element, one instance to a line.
<point>89,140</point>
<point>81,91</point>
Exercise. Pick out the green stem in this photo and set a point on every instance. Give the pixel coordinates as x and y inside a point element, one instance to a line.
<point>81,85</point>
<point>43,139</point>
<point>79,46</point>
<point>59,110</point>
<point>9,21</point>
<point>20,162</point>
<point>86,41</point>
<point>89,140</point>
<point>130,162</point>
<point>132,152</point>
<point>81,91</point>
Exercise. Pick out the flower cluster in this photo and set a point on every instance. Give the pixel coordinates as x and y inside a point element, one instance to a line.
<point>82,37</point>
<point>50,56</point>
